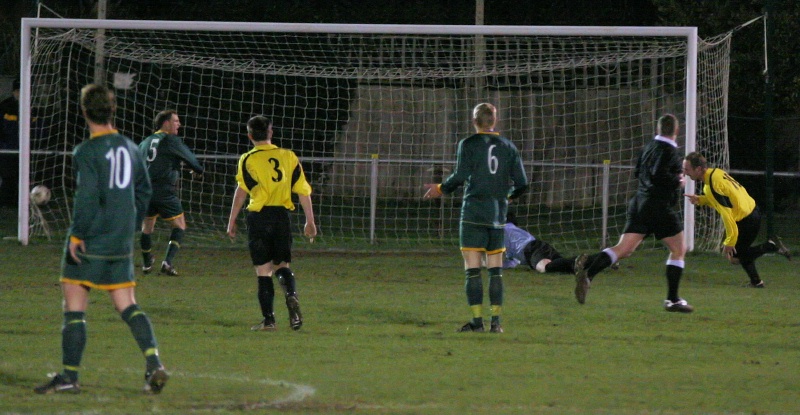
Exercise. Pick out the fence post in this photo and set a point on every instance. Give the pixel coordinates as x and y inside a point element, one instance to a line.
<point>606,177</point>
<point>373,197</point>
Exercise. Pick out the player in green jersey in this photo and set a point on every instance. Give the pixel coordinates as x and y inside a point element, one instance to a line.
<point>164,152</point>
<point>490,167</point>
<point>112,191</point>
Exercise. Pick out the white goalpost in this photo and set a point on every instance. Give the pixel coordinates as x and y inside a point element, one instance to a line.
<point>376,111</point>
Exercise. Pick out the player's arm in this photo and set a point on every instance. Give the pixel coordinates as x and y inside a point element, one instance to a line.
<point>87,199</point>
<point>302,188</point>
<point>518,176</point>
<point>186,155</point>
<point>143,189</point>
<point>310,229</point>
<point>239,196</point>
<point>731,228</point>
<point>459,174</point>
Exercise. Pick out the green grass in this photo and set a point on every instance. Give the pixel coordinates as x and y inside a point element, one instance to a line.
<point>380,338</point>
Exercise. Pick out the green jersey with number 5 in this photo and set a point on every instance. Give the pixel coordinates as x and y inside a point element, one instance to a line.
<point>164,153</point>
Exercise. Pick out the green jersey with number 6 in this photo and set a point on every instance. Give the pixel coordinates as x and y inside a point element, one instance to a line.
<point>491,170</point>
<point>111,194</point>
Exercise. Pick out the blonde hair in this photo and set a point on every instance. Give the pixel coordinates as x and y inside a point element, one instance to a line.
<point>484,116</point>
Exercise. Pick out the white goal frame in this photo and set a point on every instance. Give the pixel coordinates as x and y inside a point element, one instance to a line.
<point>29,25</point>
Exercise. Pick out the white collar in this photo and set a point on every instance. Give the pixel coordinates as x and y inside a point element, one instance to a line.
<point>667,140</point>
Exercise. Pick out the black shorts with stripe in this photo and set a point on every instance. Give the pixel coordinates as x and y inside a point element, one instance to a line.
<point>270,235</point>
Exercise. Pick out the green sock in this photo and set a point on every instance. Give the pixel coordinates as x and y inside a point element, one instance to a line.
<point>474,289</point>
<point>142,331</point>
<point>73,342</point>
<point>175,239</point>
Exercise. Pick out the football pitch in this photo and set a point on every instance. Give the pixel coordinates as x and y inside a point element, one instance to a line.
<point>379,338</point>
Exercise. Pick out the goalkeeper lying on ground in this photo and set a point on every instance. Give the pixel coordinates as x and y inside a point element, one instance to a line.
<point>523,248</point>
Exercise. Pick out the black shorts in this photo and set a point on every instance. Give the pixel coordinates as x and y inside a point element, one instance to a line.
<point>748,231</point>
<point>652,217</point>
<point>270,235</point>
<point>539,250</point>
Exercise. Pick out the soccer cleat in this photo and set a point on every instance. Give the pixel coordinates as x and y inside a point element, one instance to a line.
<point>582,282</point>
<point>148,261</point>
<point>759,284</point>
<point>267,324</point>
<point>495,328</point>
<point>680,306</point>
<point>780,248</point>
<point>154,381</point>
<point>470,327</point>
<point>167,269</point>
<point>295,317</point>
<point>58,384</point>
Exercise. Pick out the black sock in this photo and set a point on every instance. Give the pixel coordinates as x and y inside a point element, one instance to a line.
<point>674,274</point>
<point>266,296</point>
<point>287,281</point>
<point>596,263</point>
<point>73,342</point>
<point>561,265</point>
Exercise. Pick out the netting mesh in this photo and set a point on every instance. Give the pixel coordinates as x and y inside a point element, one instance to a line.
<point>375,116</point>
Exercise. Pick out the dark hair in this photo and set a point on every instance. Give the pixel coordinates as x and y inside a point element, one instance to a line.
<point>258,127</point>
<point>667,125</point>
<point>696,159</point>
<point>163,117</point>
<point>15,85</point>
<point>511,218</point>
<point>97,103</point>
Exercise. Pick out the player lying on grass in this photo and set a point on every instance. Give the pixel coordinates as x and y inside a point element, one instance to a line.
<point>525,249</point>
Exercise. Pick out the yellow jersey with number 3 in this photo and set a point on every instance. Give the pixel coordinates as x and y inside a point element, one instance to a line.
<point>727,197</point>
<point>270,174</point>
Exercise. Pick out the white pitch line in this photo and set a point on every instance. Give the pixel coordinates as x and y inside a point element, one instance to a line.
<point>298,392</point>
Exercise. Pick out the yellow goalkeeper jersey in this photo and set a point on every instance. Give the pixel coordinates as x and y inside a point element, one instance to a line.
<point>270,174</point>
<point>729,198</point>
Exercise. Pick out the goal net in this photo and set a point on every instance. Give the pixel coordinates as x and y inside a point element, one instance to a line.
<point>374,112</point>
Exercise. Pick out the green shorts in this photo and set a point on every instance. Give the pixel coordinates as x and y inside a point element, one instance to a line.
<point>482,238</point>
<point>167,206</point>
<point>98,272</point>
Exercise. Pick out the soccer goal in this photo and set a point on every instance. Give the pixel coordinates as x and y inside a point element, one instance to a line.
<point>376,111</point>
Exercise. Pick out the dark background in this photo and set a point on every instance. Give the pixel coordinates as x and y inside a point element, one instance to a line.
<point>712,17</point>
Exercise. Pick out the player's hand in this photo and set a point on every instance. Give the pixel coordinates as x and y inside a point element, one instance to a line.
<point>432,191</point>
<point>73,249</point>
<point>693,199</point>
<point>728,251</point>
<point>310,231</point>
<point>232,230</point>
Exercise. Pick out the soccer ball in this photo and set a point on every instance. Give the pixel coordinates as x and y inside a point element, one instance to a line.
<point>40,195</point>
